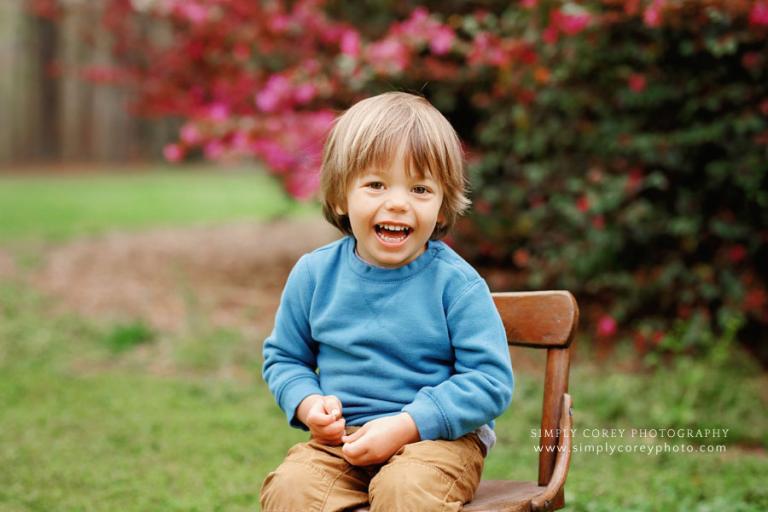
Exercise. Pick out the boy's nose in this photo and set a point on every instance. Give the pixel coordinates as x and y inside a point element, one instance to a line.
<point>396,202</point>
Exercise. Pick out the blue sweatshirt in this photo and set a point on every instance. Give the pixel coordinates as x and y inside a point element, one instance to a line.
<point>424,338</point>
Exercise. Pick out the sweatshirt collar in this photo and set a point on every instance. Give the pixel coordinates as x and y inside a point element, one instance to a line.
<point>374,273</point>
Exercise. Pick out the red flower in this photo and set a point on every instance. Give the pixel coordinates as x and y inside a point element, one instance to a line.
<point>582,203</point>
<point>751,60</point>
<point>598,222</point>
<point>737,253</point>
<point>635,180</point>
<point>759,14</point>
<point>550,34</point>
<point>606,326</point>
<point>521,258</point>
<point>637,82</point>
<point>755,301</point>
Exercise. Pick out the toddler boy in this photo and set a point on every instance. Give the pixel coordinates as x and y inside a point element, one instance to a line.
<point>387,346</point>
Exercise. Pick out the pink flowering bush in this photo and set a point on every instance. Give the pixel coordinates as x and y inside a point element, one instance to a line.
<point>616,148</point>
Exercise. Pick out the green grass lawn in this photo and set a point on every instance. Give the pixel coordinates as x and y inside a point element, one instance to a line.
<point>52,207</point>
<point>87,425</point>
<point>84,426</point>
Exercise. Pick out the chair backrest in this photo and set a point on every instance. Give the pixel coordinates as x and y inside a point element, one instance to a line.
<point>546,320</point>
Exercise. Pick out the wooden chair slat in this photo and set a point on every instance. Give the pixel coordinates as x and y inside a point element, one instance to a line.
<point>538,319</point>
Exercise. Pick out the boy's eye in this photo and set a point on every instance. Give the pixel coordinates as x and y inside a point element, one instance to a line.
<point>376,185</point>
<point>421,189</point>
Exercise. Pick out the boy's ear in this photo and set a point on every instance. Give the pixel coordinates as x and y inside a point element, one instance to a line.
<point>339,210</point>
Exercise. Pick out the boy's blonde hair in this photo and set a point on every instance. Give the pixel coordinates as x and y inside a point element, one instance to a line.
<point>375,131</point>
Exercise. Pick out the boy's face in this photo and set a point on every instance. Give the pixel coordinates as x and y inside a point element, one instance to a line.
<point>392,214</point>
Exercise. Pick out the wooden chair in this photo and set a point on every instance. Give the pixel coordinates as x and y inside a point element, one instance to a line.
<point>545,320</point>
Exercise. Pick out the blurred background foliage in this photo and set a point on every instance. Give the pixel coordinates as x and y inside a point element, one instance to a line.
<point>616,148</point>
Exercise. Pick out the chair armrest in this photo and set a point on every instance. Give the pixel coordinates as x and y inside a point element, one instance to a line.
<point>543,501</point>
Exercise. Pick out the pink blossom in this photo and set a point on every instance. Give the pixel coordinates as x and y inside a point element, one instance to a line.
<point>240,142</point>
<point>637,82</point>
<point>419,15</point>
<point>194,12</point>
<point>173,153</point>
<point>321,120</point>
<point>278,23</point>
<point>275,90</point>
<point>304,184</point>
<point>276,157</point>
<point>350,43</point>
<point>606,326</point>
<point>442,40</point>
<point>218,111</point>
<point>267,100</point>
<point>190,134</point>
<point>304,93</point>
<point>570,24</point>
<point>652,14</point>
<point>389,54</point>
<point>214,150</point>
<point>759,14</point>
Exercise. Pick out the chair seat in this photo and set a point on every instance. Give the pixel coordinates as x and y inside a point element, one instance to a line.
<point>500,496</point>
<point>504,495</point>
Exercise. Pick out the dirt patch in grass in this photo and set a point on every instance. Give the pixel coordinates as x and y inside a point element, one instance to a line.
<point>230,275</point>
<point>7,265</point>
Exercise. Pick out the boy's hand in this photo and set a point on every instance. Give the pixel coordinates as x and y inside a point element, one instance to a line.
<point>322,415</point>
<point>378,440</point>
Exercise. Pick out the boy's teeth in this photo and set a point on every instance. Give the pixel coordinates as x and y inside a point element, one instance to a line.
<point>392,228</point>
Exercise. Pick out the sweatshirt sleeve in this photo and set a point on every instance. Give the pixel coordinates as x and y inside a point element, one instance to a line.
<point>290,352</point>
<point>481,387</point>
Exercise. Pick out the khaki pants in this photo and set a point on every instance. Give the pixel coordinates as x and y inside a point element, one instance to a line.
<point>424,476</point>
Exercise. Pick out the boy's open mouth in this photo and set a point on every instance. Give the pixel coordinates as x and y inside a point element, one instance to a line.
<point>392,233</point>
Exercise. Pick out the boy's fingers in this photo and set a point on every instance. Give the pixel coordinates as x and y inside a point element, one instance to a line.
<point>354,436</point>
<point>332,406</point>
<point>353,450</point>
<point>335,429</point>
<point>319,418</point>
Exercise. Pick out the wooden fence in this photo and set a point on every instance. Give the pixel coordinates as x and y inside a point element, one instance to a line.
<point>48,112</point>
